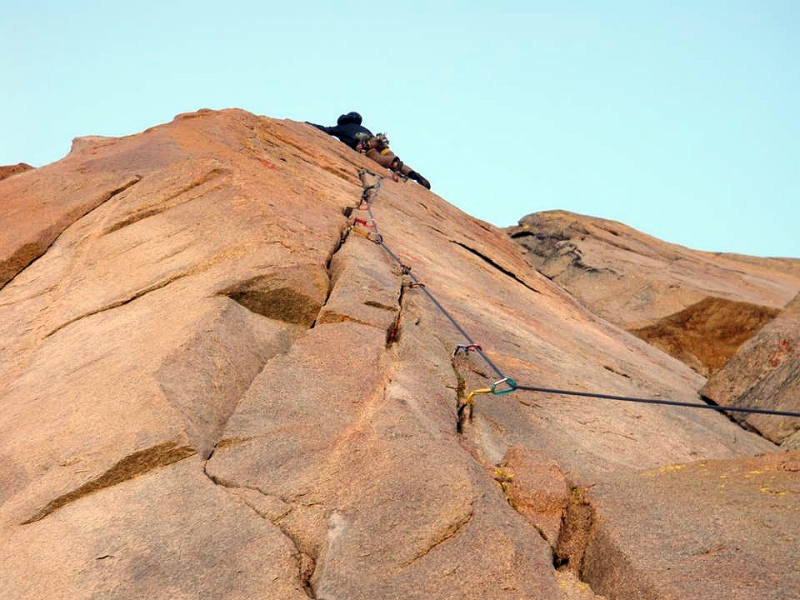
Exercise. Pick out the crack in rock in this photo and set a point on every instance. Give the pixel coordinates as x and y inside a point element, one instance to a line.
<point>494,265</point>
<point>28,253</point>
<point>448,533</point>
<point>165,204</point>
<point>274,510</point>
<point>156,286</point>
<point>576,525</point>
<point>131,466</point>
<point>393,332</point>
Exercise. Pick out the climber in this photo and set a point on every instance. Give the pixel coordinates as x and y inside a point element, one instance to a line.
<point>349,130</point>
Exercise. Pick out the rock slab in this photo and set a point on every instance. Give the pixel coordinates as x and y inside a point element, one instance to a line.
<point>700,540</point>
<point>212,386</point>
<point>697,306</point>
<point>765,373</point>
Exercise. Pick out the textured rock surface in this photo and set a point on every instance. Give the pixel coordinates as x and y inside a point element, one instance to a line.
<point>210,389</point>
<point>9,170</point>
<point>536,488</point>
<point>700,540</point>
<point>765,372</point>
<point>698,306</point>
<point>707,334</point>
<point>168,534</point>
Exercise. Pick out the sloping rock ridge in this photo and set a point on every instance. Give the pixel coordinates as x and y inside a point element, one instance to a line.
<point>697,306</point>
<point>217,385</point>
<point>9,170</point>
<point>765,372</point>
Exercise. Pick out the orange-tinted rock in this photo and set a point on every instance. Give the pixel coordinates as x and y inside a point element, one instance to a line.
<point>9,170</point>
<point>698,306</point>
<point>168,534</point>
<point>712,529</point>
<point>536,489</point>
<point>765,373</point>
<point>212,337</point>
<point>706,335</point>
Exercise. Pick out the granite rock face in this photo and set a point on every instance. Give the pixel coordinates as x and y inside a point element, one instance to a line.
<point>765,372</point>
<point>706,335</point>
<point>216,384</point>
<point>699,540</point>
<point>9,170</point>
<point>697,306</point>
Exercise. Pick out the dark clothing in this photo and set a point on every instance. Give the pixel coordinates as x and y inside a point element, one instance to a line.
<point>349,130</point>
<point>346,132</point>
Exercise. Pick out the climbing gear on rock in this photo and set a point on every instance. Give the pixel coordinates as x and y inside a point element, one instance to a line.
<point>364,222</point>
<point>466,348</point>
<point>507,385</point>
<point>469,401</point>
<point>377,148</point>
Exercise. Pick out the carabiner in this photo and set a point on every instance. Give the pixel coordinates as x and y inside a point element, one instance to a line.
<point>512,385</point>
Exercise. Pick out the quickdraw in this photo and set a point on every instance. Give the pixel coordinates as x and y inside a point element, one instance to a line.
<point>512,386</point>
<point>507,385</point>
<point>370,235</point>
<point>470,399</point>
<point>466,348</point>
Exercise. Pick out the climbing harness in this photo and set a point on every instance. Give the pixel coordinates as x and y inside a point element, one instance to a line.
<point>379,142</point>
<point>505,384</point>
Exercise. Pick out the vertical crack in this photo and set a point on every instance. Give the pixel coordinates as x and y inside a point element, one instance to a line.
<point>393,332</point>
<point>576,525</point>
<point>306,563</point>
<point>344,234</point>
<point>461,386</point>
<point>558,511</point>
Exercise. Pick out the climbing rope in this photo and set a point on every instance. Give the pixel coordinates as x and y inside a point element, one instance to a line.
<point>506,385</point>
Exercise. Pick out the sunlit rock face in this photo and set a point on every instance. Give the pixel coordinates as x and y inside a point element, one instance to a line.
<point>697,306</point>
<point>9,170</point>
<point>765,372</point>
<point>217,385</point>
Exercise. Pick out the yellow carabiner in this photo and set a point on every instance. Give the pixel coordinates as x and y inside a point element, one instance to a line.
<point>470,401</point>
<point>475,393</point>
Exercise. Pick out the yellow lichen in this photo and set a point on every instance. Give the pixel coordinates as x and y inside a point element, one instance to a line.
<point>668,468</point>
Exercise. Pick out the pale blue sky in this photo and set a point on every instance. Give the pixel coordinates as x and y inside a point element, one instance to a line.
<point>679,118</point>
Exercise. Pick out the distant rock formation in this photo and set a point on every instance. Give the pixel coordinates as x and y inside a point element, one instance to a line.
<point>765,372</point>
<point>697,306</point>
<point>707,334</point>
<point>214,383</point>
<point>9,170</point>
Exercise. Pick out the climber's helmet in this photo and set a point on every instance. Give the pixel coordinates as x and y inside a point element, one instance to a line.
<point>351,117</point>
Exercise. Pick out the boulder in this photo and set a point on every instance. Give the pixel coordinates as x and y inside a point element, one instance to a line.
<point>765,373</point>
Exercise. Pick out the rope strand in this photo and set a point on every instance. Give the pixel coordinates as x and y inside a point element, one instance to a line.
<point>512,384</point>
<point>717,407</point>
